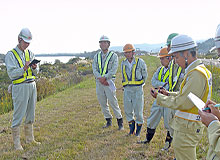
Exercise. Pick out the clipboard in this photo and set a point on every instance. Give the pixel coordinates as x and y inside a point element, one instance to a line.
<point>196,101</point>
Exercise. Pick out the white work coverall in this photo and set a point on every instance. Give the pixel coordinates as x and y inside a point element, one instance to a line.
<point>134,95</point>
<point>157,111</point>
<point>24,95</point>
<point>104,93</point>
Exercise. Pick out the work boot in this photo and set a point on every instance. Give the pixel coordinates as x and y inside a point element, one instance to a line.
<point>120,124</point>
<point>149,136</point>
<point>132,127</point>
<point>29,135</point>
<point>16,138</point>
<point>109,123</point>
<point>138,130</point>
<point>167,142</point>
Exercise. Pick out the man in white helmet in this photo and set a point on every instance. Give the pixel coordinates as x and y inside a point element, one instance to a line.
<point>176,74</point>
<point>24,92</point>
<point>211,118</point>
<point>187,126</point>
<point>105,65</point>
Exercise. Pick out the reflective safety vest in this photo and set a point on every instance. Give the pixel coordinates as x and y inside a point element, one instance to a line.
<point>160,75</point>
<point>28,75</point>
<point>192,114</point>
<point>104,70</point>
<point>132,81</point>
<point>172,82</point>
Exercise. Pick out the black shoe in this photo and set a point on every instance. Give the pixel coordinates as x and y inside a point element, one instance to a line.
<point>120,124</point>
<point>144,142</point>
<point>138,130</point>
<point>132,127</point>
<point>167,142</point>
<point>109,123</point>
<point>149,136</point>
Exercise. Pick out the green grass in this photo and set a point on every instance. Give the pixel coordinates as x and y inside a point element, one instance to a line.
<point>69,126</point>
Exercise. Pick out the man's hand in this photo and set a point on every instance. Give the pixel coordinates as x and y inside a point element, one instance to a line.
<point>34,66</point>
<point>163,91</point>
<point>26,65</point>
<point>213,110</point>
<point>103,81</point>
<point>207,118</point>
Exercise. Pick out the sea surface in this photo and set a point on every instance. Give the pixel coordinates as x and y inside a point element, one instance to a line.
<point>51,59</point>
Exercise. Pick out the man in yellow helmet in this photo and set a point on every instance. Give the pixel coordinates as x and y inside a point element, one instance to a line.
<point>24,92</point>
<point>105,65</point>
<point>134,73</point>
<point>160,78</point>
<point>187,126</point>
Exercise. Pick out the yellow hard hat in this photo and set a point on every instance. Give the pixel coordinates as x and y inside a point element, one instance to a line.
<point>128,48</point>
<point>163,53</point>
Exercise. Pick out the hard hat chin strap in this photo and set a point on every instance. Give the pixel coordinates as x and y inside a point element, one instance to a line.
<point>186,63</point>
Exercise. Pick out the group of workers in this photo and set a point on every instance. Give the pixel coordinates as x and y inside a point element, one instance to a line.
<point>181,73</point>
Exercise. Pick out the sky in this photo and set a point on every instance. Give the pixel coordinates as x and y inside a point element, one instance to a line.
<point>75,26</point>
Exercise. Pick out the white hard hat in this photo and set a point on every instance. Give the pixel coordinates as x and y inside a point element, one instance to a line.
<point>104,38</point>
<point>26,35</point>
<point>217,37</point>
<point>181,43</point>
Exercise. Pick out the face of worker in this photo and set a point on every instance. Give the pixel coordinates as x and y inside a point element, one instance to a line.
<point>129,55</point>
<point>23,45</point>
<point>179,59</point>
<point>104,45</point>
<point>165,61</point>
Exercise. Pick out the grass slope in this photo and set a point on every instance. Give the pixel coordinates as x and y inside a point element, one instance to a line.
<point>69,126</point>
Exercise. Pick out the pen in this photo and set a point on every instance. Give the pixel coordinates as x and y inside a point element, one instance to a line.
<point>163,85</point>
<point>207,108</point>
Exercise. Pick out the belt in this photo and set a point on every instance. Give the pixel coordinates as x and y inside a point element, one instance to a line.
<point>28,81</point>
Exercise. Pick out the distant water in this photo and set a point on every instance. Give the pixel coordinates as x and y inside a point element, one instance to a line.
<point>51,59</point>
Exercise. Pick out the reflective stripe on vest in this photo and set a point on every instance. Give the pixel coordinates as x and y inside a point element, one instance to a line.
<point>28,75</point>
<point>104,70</point>
<point>172,83</point>
<point>132,81</point>
<point>160,75</point>
<point>192,114</point>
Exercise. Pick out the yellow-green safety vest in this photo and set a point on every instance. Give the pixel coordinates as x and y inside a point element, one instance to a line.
<point>160,75</point>
<point>104,70</point>
<point>28,75</point>
<point>192,114</point>
<point>172,84</point>
<point>132,81</point>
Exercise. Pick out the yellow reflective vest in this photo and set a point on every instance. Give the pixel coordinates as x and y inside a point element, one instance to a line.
<point>104,70</point>
<point>192,114</point>
<point>28,75</point>
<point>160,75</point>
<point>169,73</point>
<point>172,83</point>
<point>132,81</point>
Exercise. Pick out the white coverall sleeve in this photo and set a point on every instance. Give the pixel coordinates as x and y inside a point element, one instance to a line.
<point>154,81</point>
<point>13,69</point>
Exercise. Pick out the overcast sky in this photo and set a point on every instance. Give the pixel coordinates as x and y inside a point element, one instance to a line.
<point>71,26</point>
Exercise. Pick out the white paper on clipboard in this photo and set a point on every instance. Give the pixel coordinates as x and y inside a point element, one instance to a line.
<point>196,101</point>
